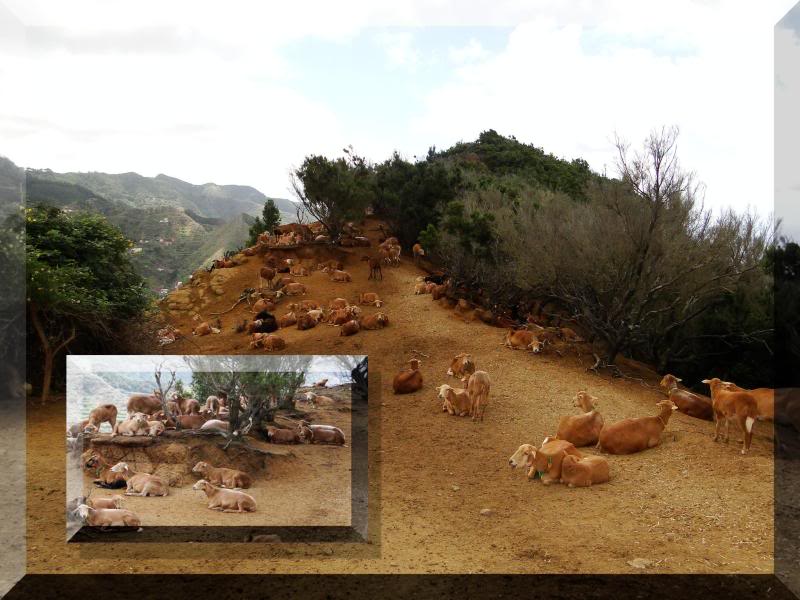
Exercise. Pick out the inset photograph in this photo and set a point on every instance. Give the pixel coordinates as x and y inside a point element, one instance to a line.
<point>208,443</point>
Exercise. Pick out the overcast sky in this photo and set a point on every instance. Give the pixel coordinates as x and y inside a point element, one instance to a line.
<point>239,92</point>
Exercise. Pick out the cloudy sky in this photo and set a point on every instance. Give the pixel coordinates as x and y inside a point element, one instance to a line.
<point>239,92</point>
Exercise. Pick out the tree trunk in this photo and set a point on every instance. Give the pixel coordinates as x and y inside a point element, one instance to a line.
<point>50,352</point>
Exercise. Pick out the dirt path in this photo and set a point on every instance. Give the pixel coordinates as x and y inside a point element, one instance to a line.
<point>688,505</point>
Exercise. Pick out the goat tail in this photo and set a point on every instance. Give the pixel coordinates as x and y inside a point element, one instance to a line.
<point>749,420</point>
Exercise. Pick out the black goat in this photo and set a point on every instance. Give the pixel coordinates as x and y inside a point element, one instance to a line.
<point>264,322</point>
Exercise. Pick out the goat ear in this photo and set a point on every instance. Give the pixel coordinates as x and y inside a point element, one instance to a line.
<point>678,379</point>
<point>706,381</point>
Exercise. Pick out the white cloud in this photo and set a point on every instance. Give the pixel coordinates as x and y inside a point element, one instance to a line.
<point>472,51</point>
<point>399,49</point>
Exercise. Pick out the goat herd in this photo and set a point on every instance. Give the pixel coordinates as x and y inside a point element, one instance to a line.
<point>146,417</point>
<point>307,314</point>
<point>558,458</point>
<point>222,487</point>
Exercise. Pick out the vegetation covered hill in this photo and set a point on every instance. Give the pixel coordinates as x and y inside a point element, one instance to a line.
<point>634,261</point>
<point>500,156</point>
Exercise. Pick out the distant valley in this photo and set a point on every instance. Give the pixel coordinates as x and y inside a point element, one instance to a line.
<point>175,225</point>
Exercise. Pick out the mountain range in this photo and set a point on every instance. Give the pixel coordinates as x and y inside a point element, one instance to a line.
<point>176,226</point>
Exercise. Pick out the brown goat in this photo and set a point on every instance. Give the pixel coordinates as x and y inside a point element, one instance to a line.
<point>226,500</point>
<point>478,390</point>
<point>689,403</point>
<point>263,304</point>
<point>292,289</point>
<point>462,364</point>
<point>306,322</point>
<point>105,413</point>
<point>104,476</point>
<point>376,321</point>
<point>584,472</point>
<point>741,407</point>
<point>283,436</point>
<point>191,421</point>
<point>524,339</point>
<point>374,267</point>
<point>583,429</point>
<point>454,401</point>
<point>266,274</point>
<point>408,380</point>
<point>636,434</point>
<point>350,328</point>
<point>765,399</point>
<point>544,462</point>
<point>337,303</point>
<point>340,276</point>
<point>325,434</point>
<point>223,477</point>
<point>370,298</point>
<point>287,320</point>
<point>147,404</point>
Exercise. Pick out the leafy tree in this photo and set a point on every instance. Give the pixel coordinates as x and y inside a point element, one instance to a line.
<point>80,281</point>
<point>473,230</point>
<point>270,218</point>
<point>266,390</point>
<point>410,196</point>
<point>334,191</point>
<point>180,389</point>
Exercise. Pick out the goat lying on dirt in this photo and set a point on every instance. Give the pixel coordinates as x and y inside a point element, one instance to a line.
<point>283,436</point>
<point>141,484</point>
<point>216,425</point>
<point>583,429</point>
<point>454,401</point>
<point>547,460</point>
<point>376,321</point>
<point>636,434</point>
<point>689,403</point>
<point>583,472</point>
<point>114,502</point>
<point>226,500</point>
<point>322,434</point>
<point>408,380</point>
<point>136,424</point>
<point>315,399</point>
<point>109,517</point>
<point>104,476</point>
<point>220,476</point>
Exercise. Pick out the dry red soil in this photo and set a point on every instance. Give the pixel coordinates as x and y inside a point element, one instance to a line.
<point>689,505</point>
